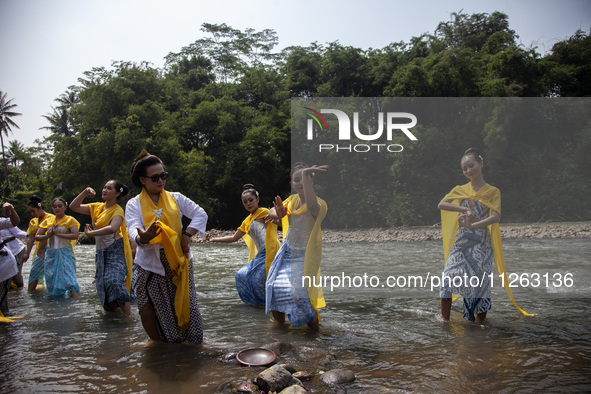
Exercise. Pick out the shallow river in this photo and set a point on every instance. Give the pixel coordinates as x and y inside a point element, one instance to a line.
<point>381,321</point>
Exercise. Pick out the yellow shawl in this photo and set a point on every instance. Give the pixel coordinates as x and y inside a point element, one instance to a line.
<point>271,241</point>
<point>313,249</point>
<point>66,221</point>
<point>167,218</point>
<point>490,196</point>
<point>101,218</point>
<point>34,226</point>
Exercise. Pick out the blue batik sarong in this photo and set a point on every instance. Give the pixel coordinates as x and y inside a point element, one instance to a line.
<point>285,291</point>
<point>37,268</point>
<point>110,275</point>
<point>250,280</point>
<point>469,265</point>
<point>60,271</point>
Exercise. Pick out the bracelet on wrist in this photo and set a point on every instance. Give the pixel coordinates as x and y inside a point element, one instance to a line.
<point>187,234</point>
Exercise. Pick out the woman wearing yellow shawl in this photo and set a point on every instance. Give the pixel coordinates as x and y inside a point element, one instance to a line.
<point>471,212</point>
<point>261,239</point>
<point>38,214</point>
<point>59,233</point>
<point>165,287</point>
<point>113,252</point>
<point>292,286</point>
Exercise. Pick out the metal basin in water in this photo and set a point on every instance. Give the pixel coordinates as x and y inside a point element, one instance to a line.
<point>256,356</point>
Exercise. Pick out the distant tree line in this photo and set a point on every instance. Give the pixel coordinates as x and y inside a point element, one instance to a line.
<point>218,114</point>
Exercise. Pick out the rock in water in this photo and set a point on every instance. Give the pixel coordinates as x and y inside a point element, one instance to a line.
<point>294,390</point>
<point>337,376</point>
<point>275,379</point>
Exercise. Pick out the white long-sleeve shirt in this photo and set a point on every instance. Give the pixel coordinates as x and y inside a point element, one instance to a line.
<point>8,267</point>
<point>148,256</point>
<point>15,245</point>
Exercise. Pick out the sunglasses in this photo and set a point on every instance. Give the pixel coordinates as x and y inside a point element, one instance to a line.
<point>154,178</point>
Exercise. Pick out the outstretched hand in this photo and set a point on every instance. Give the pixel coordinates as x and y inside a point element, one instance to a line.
<point>280,209</point>
<point>151,232</point>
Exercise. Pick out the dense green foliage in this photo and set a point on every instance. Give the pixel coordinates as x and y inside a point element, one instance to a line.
<point>218,114</point>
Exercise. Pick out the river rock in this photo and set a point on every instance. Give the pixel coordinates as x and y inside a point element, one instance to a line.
<point>327,361</point>
<point>294,390</point>
<point>303,375</point>
<point>289,368</point>
<point>275,379</point>
<point>228,357</point>
<point>280,348</point>
<point>338,376</point>
<point>246,388</point>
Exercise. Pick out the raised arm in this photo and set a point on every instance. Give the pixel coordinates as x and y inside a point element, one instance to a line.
<point>309,194</point>
<point>8,211</point>
<point>76,204</point>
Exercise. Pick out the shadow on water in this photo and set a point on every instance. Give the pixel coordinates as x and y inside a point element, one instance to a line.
<point>391,338</point>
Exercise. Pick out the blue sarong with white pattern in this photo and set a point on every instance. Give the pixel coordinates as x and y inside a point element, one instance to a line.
<point>250,280</point>
<point>37,268</point>
<point>60,271</point>
<point>110,275</point>
<point>285,291</point>
<point>469,265</point>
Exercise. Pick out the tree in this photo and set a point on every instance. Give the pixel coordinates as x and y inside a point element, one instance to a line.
<point>6,125</point>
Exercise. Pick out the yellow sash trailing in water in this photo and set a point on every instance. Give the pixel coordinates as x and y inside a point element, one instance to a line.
<point>66,221</point>
<point>271,241</point>
<point>167,218</point>
<point>4,319</point>
<point>490,196</point>
<point>34,226</point>
<point>101,218</point>
<point>313,249</point>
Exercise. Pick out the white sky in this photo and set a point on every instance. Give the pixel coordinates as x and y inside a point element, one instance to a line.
<point>47,45</point>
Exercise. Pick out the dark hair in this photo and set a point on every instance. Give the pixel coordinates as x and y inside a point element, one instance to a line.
<point>249,188</point>
<point>475,153</point>
<point>60,199</point>
<point>120,187</point>
<point>138,168</point>
<point>295,167</point>
<point>35,202</point>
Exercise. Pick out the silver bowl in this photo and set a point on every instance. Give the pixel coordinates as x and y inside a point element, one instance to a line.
<point>256,357</point>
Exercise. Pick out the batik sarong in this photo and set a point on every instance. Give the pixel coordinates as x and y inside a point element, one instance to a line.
<point>60,271</point>
<point>160,292</point>
<point>469,266</point>
<point>250,280</point>
<point>111,272</point>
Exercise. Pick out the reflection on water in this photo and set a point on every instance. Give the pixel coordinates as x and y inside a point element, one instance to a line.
<point>390,337</point>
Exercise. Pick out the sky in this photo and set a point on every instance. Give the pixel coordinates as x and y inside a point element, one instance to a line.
<point>47,45</point>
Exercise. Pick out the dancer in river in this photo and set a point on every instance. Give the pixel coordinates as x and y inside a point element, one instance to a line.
<point>59,233</point>
<point>470,217</point>
<point>261,239</point>
<point>113,257</point>
<point>8,268</point>
<point>11,238</point>
<point>290,286</point>
<point>38,214</point>
<point>165,288</point>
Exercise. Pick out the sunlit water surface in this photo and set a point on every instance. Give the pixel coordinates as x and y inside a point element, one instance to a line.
<point>392,338</point>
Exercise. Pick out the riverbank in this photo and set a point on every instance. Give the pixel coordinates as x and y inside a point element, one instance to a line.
<point>426,233</point>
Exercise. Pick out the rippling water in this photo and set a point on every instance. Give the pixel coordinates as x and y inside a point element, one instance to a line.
<point>391,337</point>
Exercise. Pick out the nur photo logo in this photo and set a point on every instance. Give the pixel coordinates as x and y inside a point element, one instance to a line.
<point>380,130</point>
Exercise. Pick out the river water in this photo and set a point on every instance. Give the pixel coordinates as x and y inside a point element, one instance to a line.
<point>384,325</point>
